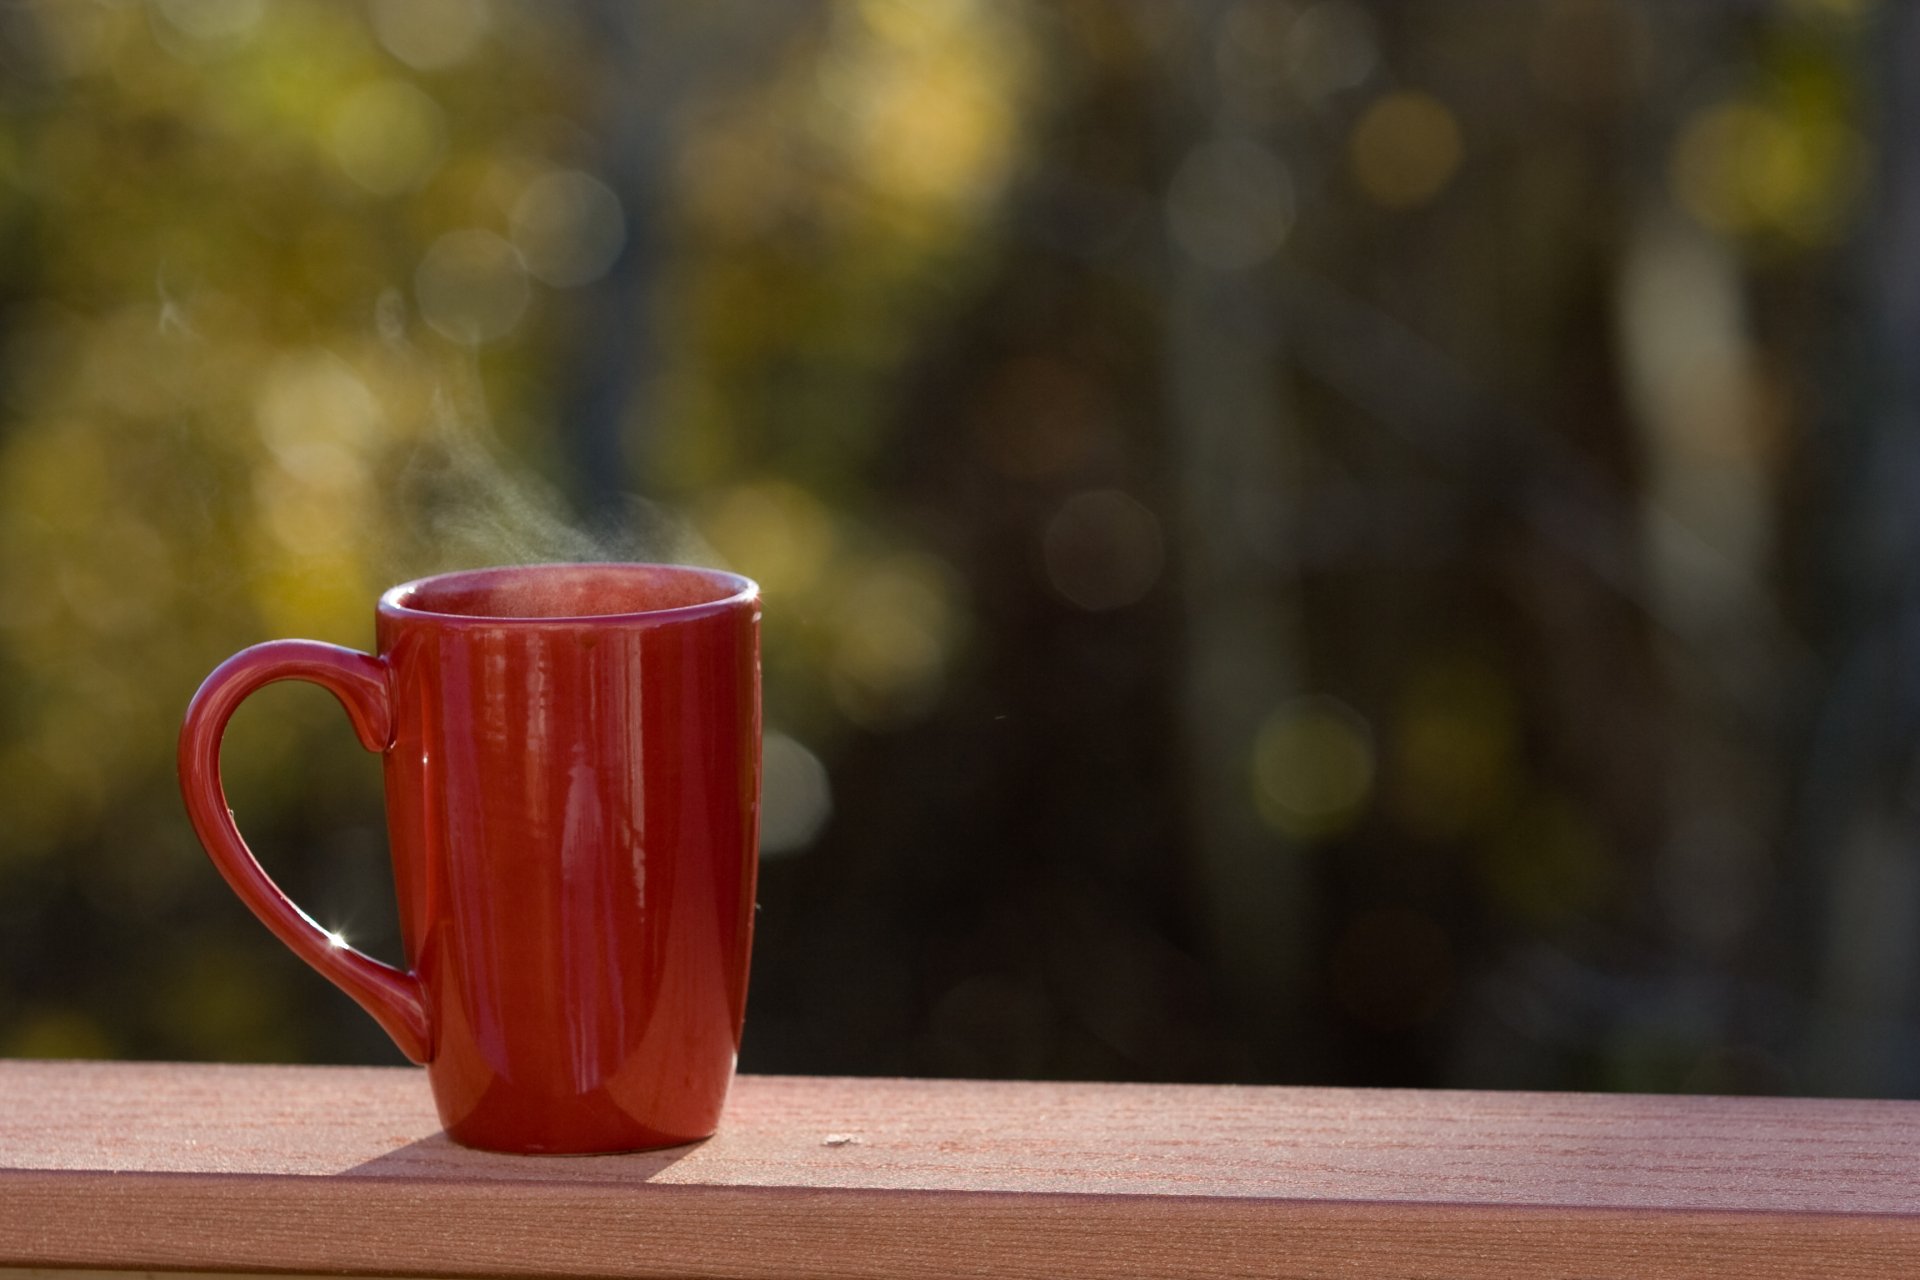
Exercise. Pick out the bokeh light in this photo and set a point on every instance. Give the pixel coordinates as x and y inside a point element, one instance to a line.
<point>1745,166</point>
<point>1458,750</point>
<point>796,795</point>
<point>431,35</point>
<point>472,286</point>
<point>1231,204</point>
<point>1404,149</point>
<point>211,20</point>
<point>1103,550</point>
<point>896,629</point>
<point>1313,767</point>
<point>1331,47</point>
<point>569,228</point>
<point>777,533</point>
<point>388,136</point>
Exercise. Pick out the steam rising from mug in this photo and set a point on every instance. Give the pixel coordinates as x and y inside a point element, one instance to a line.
<point>465,507</point>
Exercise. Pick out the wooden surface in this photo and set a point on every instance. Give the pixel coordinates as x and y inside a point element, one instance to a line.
<point>323,1169</point>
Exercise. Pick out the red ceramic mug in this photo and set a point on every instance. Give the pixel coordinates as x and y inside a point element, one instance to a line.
<point>572,763</point>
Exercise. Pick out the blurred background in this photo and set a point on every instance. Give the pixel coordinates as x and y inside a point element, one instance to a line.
<point>1326,542</point>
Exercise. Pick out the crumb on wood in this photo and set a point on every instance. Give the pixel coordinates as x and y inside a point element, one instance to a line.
<point>841,1140</point>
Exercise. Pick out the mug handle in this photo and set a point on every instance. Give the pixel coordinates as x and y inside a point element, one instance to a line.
<point>393,996</point>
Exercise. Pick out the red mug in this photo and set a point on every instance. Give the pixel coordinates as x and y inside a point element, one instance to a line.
<point>572,759</point>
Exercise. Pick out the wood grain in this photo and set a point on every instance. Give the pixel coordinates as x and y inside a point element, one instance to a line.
<point>317,1169</point>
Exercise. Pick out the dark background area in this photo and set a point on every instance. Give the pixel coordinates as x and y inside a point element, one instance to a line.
<point>1319,542</point>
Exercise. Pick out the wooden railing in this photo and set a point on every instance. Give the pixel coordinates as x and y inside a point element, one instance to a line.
<point>131,1167</point>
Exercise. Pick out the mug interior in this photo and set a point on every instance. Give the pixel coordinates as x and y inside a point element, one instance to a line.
<point>559,591</point>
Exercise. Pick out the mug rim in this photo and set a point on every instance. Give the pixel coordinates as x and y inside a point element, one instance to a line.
<point>740,590</point>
